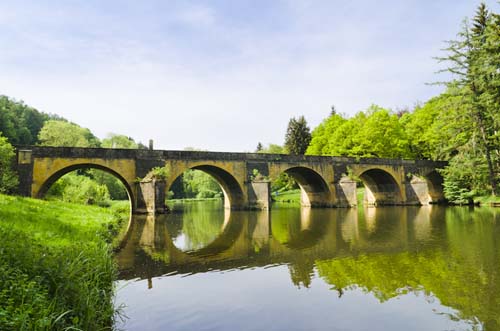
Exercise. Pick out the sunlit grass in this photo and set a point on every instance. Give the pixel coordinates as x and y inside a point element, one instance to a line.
<point>488,200</point>
<point>56,267</point>
<point>287,196</point>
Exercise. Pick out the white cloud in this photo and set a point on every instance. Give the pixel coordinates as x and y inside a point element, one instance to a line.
<point>197,16</point>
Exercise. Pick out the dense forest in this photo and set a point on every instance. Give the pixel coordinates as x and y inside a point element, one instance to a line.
<point>461,125</point>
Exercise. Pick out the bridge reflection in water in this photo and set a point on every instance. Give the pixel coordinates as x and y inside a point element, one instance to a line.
<point>251,239</point>
<point>384,251</point>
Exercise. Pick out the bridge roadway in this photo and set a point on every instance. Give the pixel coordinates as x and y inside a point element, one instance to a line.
<point>325,181</point>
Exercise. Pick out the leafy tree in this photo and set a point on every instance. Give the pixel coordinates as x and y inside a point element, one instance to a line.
<point>8,178</point>
<point>321,137</point>
<point>465,177</point>
<point>273,149</point>
<point>298,136</point>
<point>284,182</point>
<point>343,140</point>
<point>119,141</point>
<point>196,184</point>
<point>374,133</point>
<point>259,147</point>
<point>115,187</point>
<point>381,135</point>
<point>79,189</point>
<point>19,122</point>
<point>61,133</point>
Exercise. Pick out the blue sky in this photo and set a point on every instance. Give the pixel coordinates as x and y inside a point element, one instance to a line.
<point>221,75</point>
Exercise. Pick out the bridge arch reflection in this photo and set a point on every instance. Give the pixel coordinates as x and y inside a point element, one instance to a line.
<point>294,236</point>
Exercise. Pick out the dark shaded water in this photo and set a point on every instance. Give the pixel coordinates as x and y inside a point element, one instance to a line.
<point>391,268</point>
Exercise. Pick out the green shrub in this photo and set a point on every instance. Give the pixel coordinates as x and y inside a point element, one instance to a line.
<point>79,189</point>
<point>8,178</point>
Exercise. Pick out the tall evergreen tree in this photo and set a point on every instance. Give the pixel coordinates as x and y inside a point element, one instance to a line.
<point>298,136</point>
<point>476,68</point>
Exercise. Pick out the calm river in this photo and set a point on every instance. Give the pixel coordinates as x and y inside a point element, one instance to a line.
<point>292,268</point>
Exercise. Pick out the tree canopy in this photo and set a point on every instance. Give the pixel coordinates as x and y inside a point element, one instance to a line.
<point>377,132</point>
<point>114,140</point>
<point>62,133</point>
<point>19,123</point>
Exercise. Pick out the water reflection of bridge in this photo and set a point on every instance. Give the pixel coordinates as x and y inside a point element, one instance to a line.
<point>256,239</point>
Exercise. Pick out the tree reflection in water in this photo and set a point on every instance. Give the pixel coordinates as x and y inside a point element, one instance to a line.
<point>451,254</point>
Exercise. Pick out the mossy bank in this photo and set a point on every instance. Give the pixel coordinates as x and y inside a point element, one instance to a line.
<point>56,265</point>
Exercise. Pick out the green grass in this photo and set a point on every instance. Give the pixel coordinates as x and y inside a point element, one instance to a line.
<point>192,200</point>
<point>287,196</point>
<point>293,196</point>
<point>487,200</point>
<point>56,266</point>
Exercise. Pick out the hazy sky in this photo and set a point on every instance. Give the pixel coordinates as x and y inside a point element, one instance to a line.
<point>221,75</point>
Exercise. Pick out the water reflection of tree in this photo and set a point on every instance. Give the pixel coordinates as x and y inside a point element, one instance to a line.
<point>301,272</point>
<point>464,275</point>
<point>201,229</point>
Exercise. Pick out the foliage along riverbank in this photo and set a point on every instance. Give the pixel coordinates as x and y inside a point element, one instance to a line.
<point>56,265</point>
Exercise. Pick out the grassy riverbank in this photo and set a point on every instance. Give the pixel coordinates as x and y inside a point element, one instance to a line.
<point>56,266</point>
<point>488,201</point>
<point>293,196</point>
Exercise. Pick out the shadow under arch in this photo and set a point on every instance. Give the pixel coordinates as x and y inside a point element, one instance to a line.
<point>381,188</point>
<point>58,174</point>
<point>314,189</point>
<point>435,186</point>
<point>233,193</point>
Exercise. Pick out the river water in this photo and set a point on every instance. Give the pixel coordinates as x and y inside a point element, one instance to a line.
<point>387,268</point>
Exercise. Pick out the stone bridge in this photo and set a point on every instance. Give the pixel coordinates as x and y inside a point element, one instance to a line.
<point>245,178</point>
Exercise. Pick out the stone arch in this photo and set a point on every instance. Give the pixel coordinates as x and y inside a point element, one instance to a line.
<point>425,187</point>
<point>382,188</point>
<point>315,191</point>
<point>234,197</point>
<point>50,180</point>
